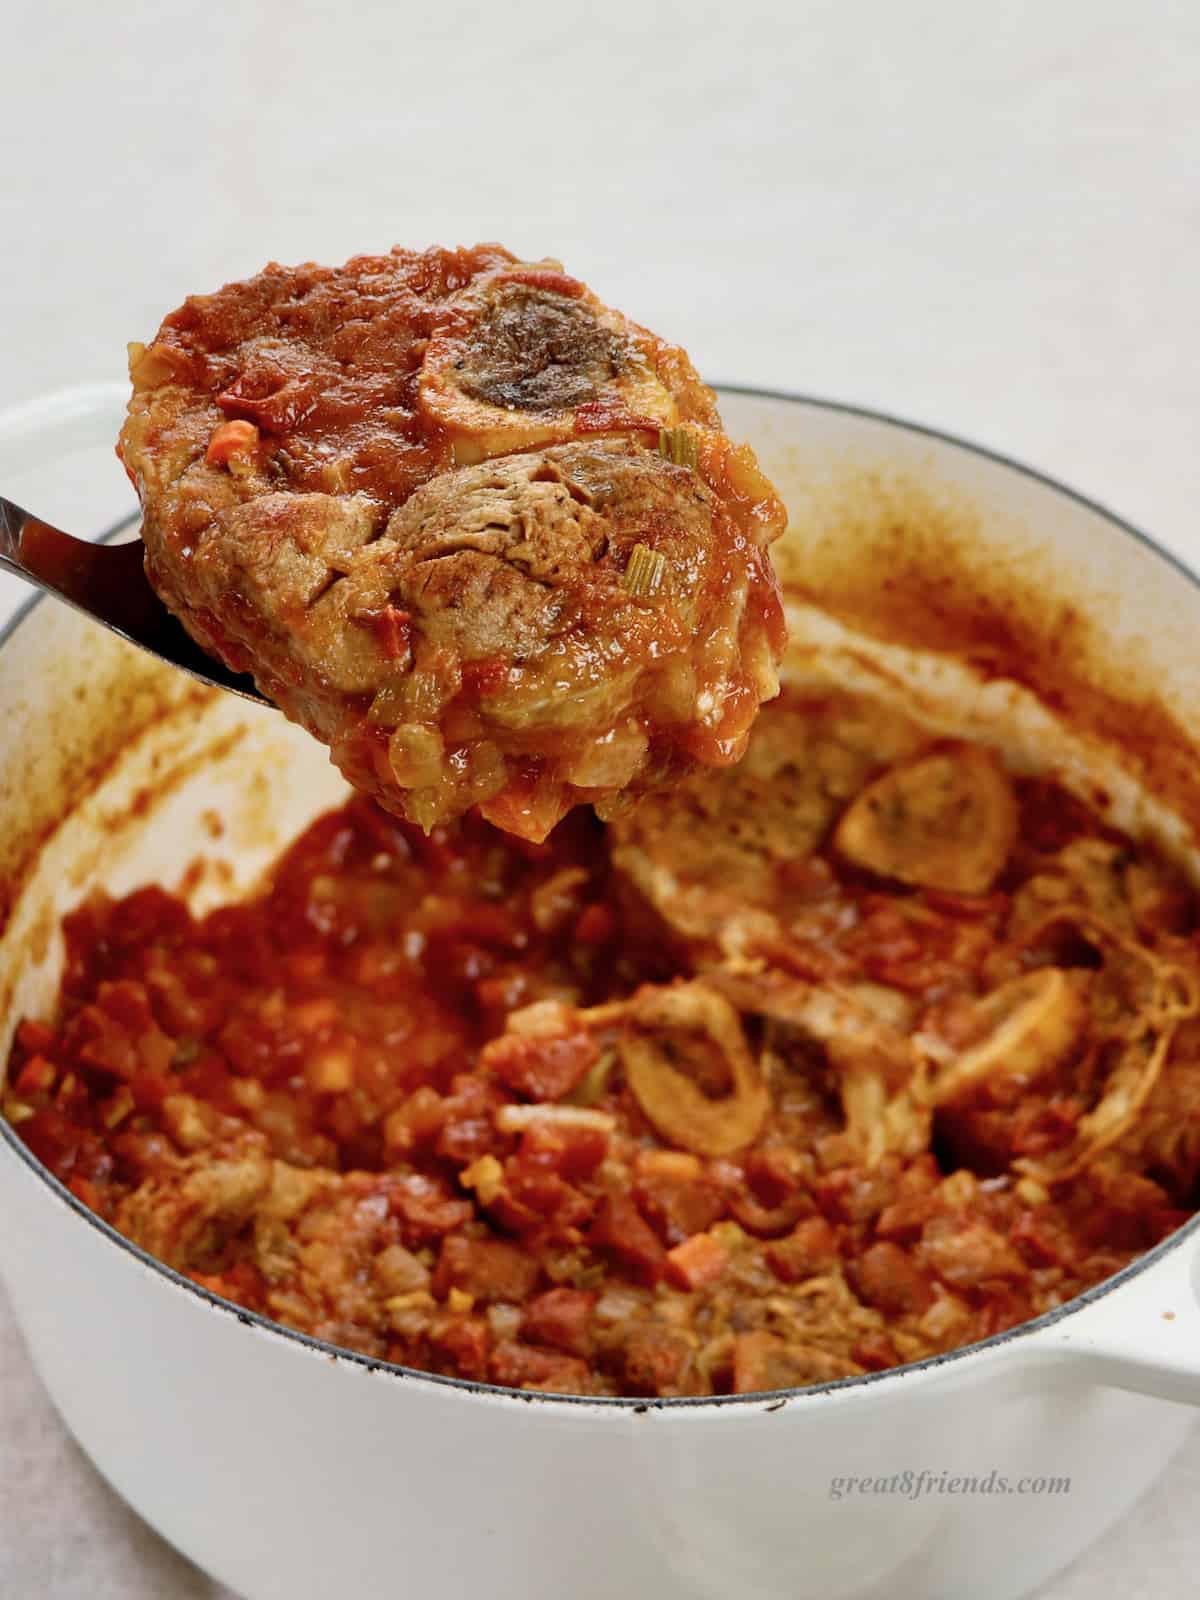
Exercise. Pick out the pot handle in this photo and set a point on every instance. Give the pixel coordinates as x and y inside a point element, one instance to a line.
<point>1143,1336</point>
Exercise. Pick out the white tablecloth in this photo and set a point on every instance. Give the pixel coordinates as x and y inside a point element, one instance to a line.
<point>981,218</point>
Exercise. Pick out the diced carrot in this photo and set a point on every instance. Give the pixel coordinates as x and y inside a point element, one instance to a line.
<point>230,439</point>
<point>697,1261</point>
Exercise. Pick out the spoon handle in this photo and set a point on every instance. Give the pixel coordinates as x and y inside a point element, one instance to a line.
<point>107,580</point>
<point>109,583</point>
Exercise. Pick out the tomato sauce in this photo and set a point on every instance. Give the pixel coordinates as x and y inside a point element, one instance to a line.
<point>324,1105</point>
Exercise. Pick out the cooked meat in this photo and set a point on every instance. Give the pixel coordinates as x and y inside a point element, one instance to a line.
<point>763,1361</point>
<point>721,855</point>
<point>480,534</point>
<point>1165,1139</point>
<point>945,821</point>
<point>1014,1036</point>
<point>689,1067</point>
<point>185,1213</point>
<point>532,349</point>
<point>864,1034</point>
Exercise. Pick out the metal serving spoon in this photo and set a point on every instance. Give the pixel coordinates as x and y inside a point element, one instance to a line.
<point>109,583</point>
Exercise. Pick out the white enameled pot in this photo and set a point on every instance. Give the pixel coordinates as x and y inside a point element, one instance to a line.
<point>288,1469</point>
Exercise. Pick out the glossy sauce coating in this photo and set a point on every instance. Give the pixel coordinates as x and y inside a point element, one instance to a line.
<point>478,532</point>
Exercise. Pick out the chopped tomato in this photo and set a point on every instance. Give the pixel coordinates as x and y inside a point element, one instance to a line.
<point>523,1366</point>
<point>810,1248</point>
<point>562,1318</point>
<point>656,1358</point>
<point>540,1068</point>
<point>488,1269</point>
<point>621,1233</point>
<point>463,1344</point>
<point>426,1208</point>
<point>36,1076</point>
<point>887,1278</point>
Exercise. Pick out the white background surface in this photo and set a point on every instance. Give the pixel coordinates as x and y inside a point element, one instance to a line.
<point>982,217</point>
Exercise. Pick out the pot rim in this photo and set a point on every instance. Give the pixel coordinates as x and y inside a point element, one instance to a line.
<point>769,1400</point>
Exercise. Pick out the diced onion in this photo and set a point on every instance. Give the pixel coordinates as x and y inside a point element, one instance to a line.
<point>515,1119</point>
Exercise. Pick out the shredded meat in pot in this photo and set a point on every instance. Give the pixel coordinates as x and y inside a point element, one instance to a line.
<point>755,1087</point>
<point>479,533</point>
